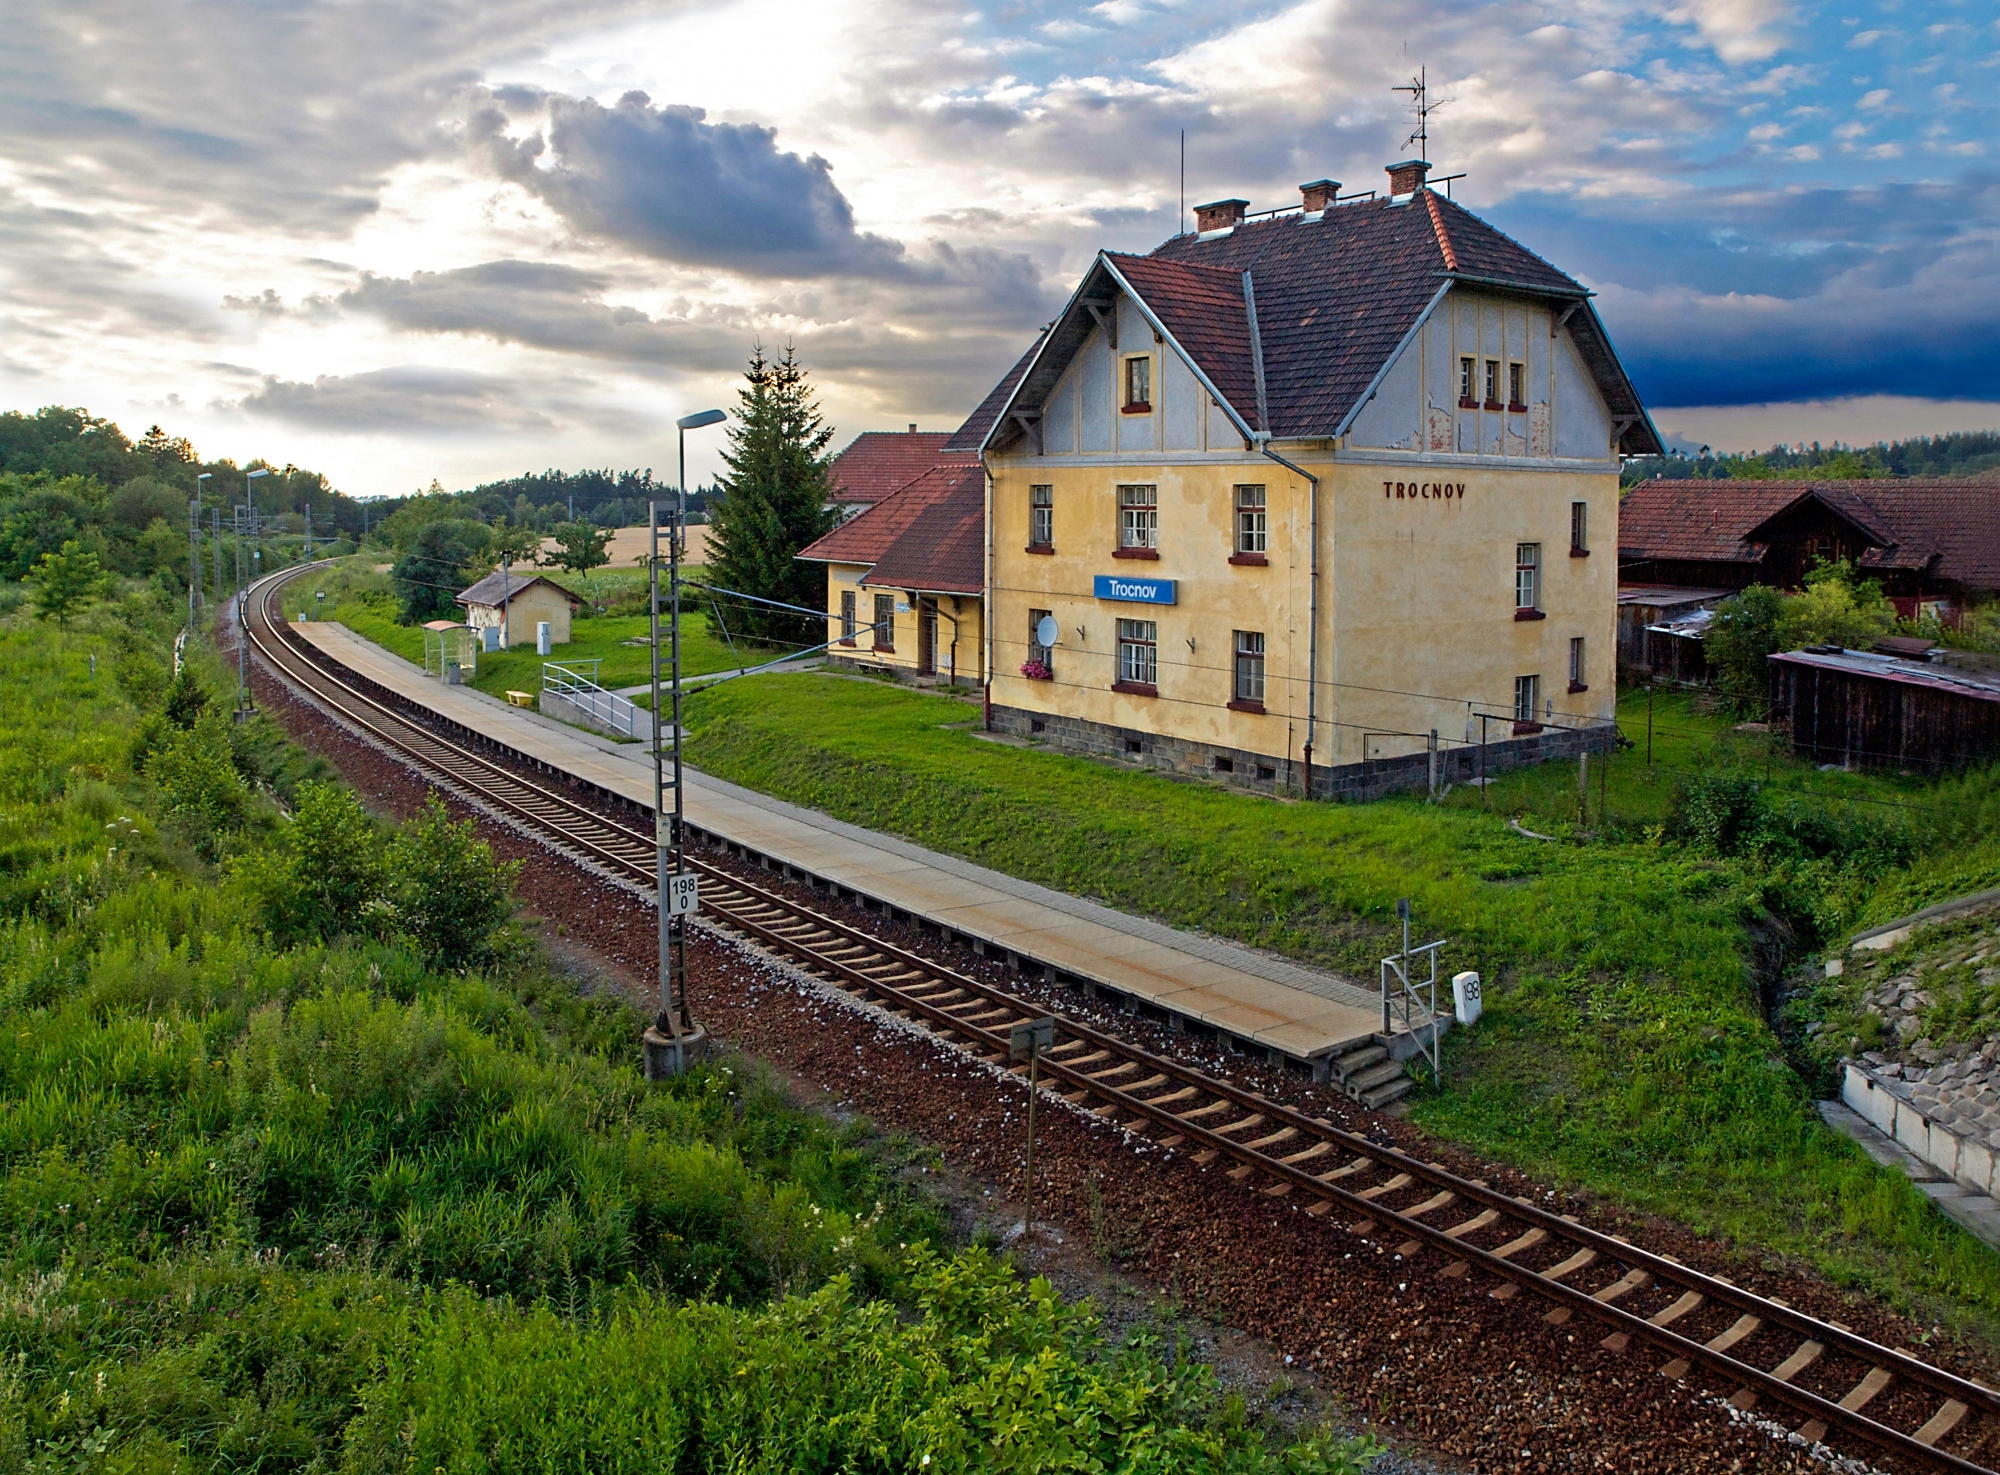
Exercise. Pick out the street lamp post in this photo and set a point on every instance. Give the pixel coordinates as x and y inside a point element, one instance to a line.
<point>673,1029</point>
<point>243,704</point>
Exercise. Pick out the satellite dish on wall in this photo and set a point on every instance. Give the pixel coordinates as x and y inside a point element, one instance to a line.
<point>1046,631</point>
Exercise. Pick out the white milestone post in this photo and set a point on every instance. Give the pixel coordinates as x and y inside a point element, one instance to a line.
<point>674,1037</point>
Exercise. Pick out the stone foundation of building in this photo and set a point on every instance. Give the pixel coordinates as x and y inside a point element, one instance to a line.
<point>1375,778</point>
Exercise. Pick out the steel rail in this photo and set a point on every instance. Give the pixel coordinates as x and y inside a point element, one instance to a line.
<point>922,988</point>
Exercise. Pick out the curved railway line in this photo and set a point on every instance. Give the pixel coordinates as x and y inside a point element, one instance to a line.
<point>1817,1378</point>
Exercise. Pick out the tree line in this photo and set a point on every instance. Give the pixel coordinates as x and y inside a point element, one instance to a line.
<point>1963,453</point>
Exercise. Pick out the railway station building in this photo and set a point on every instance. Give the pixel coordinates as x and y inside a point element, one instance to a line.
<point>1319,500</point>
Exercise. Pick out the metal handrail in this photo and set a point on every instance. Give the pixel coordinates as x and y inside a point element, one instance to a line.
<point>604,707</point>
<point>1410,995</point>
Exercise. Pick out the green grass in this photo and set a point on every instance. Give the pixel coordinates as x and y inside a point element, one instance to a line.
<point>312,1206</point>
<point>360,599</point>
<point>1623,1046</point>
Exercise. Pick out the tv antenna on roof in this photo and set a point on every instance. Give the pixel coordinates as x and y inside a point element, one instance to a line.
<point>1420,102</point>
<point>1422,106</point>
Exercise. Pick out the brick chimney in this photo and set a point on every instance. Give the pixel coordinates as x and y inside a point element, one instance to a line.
<point>1320,194</point>
<point>1221,215</point>
<point>1407,177</point>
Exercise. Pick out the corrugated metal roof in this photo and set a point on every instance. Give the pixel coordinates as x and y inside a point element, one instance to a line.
<point>1895,668</point>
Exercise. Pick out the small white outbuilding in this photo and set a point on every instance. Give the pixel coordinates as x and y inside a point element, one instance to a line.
<point>515,604</point>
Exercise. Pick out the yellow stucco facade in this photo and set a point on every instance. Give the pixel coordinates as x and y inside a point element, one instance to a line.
<point>941,635</point>
<point>1418,626</point>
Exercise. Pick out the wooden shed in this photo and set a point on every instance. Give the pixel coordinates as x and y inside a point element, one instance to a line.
<point>1863,709</point>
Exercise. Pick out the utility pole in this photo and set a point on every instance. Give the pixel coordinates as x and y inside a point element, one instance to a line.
<point>674,1031</point>
<point>309,533</point>
<point>246,524</point>
<point>194,551</point>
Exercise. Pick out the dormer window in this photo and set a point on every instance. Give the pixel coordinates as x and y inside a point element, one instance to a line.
<point>1138,385</point>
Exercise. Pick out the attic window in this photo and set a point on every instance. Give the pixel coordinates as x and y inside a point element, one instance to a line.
<point>1467,367</point>
<point>1493,384</point>
<point>1517,386</point>
<point>1138,385</point>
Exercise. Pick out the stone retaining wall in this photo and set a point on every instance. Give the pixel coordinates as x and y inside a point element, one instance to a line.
<point>1263,773</point>
<point>1952,1123</point>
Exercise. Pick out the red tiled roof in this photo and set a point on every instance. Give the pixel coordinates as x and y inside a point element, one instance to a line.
<point>1336,294</point>
<point>877,462</point>
<point>928,535</point>
<point>1950,528</point>
<point>1203,307</point>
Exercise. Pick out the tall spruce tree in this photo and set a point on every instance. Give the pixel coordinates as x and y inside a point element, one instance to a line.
<point>771,502</point>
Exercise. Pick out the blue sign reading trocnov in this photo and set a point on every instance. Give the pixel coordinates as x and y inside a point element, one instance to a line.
<point>1140,591</point>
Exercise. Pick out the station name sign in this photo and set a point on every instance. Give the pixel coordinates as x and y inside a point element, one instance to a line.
<point>1427,491</point>
<point>1138,591</point>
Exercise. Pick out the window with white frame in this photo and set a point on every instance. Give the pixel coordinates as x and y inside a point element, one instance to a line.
<point>1467,367</point>
<point>1041,516</point>
<point>1138,517</point>
<point>885,622</point>
<point>847,617</point>
<point>1493,381</point>
<point>1576,667</point>
<point>1527,697</point>
<point>1139,652</point>
<point>1250,666</point>
<point>1252,527</point>
<point>1517,385</point>
<point>1527,576</point>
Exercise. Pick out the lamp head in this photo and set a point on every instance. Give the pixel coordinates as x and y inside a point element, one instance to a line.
<point>255,474</point>
<point>205,476</point>
<point>699,419</point>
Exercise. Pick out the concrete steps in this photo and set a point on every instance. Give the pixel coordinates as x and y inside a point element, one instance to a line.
<point>1370,1070</point>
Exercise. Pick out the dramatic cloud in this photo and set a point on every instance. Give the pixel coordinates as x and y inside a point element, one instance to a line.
<point>402,399</point>
<point>673,185</point>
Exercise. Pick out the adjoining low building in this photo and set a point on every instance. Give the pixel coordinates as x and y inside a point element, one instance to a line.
<point>1867,709</point>
<point>1322,501</point>
<point>904,585</point>
<point>512,605</point>
<point>1934,545</point>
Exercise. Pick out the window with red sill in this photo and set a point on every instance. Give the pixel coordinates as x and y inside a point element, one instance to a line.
<point>1138,397</point>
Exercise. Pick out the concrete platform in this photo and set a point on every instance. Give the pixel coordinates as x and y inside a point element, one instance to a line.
<point>1260,1000</point>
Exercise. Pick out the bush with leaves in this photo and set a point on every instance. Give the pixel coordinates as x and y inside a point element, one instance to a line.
<point>200,790</point>
<point>1836,607</point>
<point>444,557</point>
<point>451,895</point>
<point>328,875</point>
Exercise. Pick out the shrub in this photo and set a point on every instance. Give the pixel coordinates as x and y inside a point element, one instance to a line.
<point>451,895</point>
<point>444,557</point>
<point>328,875</point>
<point>67,581</point>
<point>200,789</point>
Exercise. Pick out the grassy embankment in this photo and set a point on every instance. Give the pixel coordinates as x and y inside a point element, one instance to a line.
<point>1624,1046</point>
<point>308,1162</point>
<point>360,598</point>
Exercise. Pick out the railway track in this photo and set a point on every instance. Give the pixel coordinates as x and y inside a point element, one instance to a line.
<point>1818,1379</point>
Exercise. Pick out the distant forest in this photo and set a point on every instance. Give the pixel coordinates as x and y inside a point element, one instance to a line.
<point>1967,453</point>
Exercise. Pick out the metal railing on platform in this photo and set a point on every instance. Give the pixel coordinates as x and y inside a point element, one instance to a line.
<point>605,709</point>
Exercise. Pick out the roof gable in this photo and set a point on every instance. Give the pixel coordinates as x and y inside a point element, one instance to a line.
<point>1336,293</point>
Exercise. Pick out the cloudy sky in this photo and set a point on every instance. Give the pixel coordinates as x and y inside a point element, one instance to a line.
<point>465,238</point>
